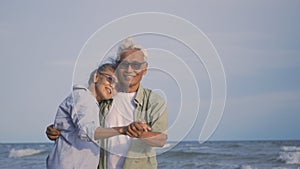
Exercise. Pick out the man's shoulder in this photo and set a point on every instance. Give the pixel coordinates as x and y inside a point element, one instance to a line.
<point>152,95</point>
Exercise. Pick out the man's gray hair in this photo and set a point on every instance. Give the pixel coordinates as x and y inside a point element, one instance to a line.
<point>127,45</point>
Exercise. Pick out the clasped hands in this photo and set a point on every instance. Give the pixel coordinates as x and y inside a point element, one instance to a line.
<point>135,129</point>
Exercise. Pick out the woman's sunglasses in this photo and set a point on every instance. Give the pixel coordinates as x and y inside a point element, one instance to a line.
<point>109,78</point>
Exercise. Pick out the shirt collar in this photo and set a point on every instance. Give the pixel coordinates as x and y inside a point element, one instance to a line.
<point>106,100</point>
<point>137,100</point>
<point>139,96</point>
<point>79,86</point>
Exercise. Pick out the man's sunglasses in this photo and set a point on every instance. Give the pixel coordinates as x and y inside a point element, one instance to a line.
<point>109,78</point>
<point>134,65</point>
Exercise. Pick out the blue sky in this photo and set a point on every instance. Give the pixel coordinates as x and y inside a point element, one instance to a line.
<point>257,42</point>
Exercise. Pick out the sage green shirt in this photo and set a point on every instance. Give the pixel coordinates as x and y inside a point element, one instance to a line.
<point>151,107</point>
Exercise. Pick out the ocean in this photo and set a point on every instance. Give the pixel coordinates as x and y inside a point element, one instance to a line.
<point>184,155</point>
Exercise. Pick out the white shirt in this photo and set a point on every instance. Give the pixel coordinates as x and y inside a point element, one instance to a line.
<point>120,114</point>
<point>77,118</point>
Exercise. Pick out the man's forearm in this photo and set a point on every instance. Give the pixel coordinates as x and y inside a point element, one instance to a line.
<point>154,139</point>
<point>101,133</point>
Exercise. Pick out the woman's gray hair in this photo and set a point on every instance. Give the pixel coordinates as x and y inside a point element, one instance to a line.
<point>102,68</point>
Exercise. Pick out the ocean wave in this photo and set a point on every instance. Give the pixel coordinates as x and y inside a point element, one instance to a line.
<point>290,157</point>
<point>24,152</point>
<point>252,167</point>
<point>290,154</point>
<point>247,167</point>
<point>290,148</point>
<point>192,154</point>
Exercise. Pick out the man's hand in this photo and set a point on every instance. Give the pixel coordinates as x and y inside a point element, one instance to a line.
<point>52,133</point>
<point>142,131</point>
<point>136,129</point>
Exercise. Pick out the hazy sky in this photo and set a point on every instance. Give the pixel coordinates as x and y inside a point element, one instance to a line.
<point>257,41</point>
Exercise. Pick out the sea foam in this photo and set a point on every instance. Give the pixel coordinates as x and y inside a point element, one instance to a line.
<point>290,154</point>
<point>23,152</point>
<point>247,167</point>
<point>290,148</point>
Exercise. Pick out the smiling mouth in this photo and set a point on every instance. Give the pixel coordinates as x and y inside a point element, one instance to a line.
<point>108,90</point>
<point>129,76</point>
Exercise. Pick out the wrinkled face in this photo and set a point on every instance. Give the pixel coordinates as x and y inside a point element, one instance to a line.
<point>105,85</point>
<point>131,69</point>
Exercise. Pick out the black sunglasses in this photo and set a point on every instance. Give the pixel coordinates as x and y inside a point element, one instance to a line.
<point>109,78</point>
<point>134,65</point>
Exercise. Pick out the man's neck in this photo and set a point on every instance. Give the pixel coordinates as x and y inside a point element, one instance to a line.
<point>129,89</point>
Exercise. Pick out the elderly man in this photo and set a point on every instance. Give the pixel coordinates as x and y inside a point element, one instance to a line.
<point>133,106</point>
<point>131,103</point>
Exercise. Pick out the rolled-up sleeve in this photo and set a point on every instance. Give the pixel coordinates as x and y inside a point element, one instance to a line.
<point>158,113</point>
